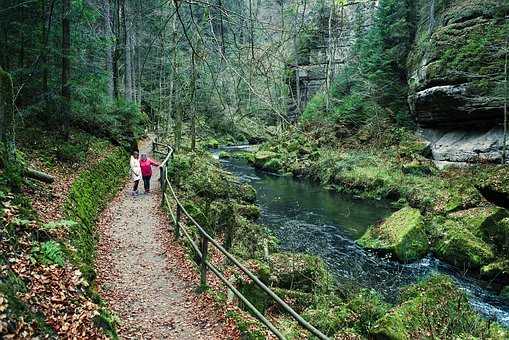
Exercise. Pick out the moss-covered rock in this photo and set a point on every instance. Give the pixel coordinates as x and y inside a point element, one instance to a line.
<point>435,308</point>
<point>460,238</point>
<point>454,67</point>
<point>212,143</point>
<point>493,183</point>
<point>358,314</point>
<point>498,269</point>
<point>402,234</point>
<point>273,165</point>
<point>267,160</point>
<point>245,192</point>
<point>496,230</point>
<point>461,247</point>
<point>249,211</point>
<point>224,155</point>
<point>297,271</point>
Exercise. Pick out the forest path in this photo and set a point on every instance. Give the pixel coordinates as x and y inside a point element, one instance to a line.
<point>139,277</point>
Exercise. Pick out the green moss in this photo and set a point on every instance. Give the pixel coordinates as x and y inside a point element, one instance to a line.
<point>434,308</point>
<point>88,195</point>
<point>212,143</point>
<point>460,239</point>
<point>249,328</point>
<point>262,157</point>
<point>498,268</point>
<point>402,234</point>
<point>273,165</point>
<point>224,155</point>
<point>297,271</point>
<point>249,211</point>
<point>297,299</point>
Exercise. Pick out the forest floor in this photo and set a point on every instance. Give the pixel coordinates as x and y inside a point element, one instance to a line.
<point>145,276</point>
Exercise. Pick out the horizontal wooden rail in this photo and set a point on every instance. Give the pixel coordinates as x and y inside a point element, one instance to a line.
<point>202,253</point>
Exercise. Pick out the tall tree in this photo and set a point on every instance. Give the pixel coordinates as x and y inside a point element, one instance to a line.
<point>66,66</point>
<point>108,32</point>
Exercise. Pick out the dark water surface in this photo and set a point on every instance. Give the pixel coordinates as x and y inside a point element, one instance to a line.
<point>308,218</point>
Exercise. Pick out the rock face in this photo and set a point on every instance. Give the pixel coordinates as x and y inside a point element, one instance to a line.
<point>465,145</point>
<point>456,77</point>
<point>456,67</point>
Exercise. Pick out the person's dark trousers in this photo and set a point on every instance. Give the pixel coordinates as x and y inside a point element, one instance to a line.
<point>135,186</point>
<point>146,183</point>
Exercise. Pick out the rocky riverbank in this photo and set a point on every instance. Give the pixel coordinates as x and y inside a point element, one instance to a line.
<point>226,208</point>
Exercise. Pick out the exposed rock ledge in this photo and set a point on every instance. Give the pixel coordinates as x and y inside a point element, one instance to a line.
<point>465,146</point>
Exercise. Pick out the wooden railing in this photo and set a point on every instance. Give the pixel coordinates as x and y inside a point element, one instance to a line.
<point>168,193</point>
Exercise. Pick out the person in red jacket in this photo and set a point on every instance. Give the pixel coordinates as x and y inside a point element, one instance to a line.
<point>146,170</point>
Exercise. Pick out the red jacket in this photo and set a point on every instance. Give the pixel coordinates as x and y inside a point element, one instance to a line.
<point>146,166</point>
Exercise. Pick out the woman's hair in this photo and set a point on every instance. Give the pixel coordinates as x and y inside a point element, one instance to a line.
<point>143,155</point>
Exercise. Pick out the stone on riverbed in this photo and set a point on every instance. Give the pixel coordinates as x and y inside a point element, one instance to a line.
<point>402,235</point>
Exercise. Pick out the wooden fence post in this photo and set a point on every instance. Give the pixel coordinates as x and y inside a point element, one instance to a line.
<point>203,266</point>
<point>177,226</point>
<point>162,179</point>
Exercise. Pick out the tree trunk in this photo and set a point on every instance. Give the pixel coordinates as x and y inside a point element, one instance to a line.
<point>108,31</point>
<point>193,103</point>
<point>116,52</point>
<point>66,66</point>
<point>178,126</point>
<point>7,122</point>
<point>128,84</point>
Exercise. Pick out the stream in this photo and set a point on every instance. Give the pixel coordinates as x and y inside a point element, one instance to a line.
<point>308,218</point>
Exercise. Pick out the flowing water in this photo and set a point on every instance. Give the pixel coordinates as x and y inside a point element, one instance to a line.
<point>308,218</point>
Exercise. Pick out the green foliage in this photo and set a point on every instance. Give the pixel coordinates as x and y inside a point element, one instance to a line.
<point>87,196</point>
<point>314,108</point>
<point>373,85</point>
<point>49,252</point>
<point>71,153</point>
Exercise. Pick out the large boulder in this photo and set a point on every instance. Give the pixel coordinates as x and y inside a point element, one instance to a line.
<point>456,67</point>
<point>402,235</point>
<point>461,239</point>
<point>435,308</point>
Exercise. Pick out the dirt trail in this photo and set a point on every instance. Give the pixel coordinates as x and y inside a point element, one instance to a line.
<point>139,279</point>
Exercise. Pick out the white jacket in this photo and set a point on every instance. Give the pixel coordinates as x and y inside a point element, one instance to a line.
<point>135,169</point>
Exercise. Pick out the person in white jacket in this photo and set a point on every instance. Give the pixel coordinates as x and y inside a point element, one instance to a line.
<point>135,171</point>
